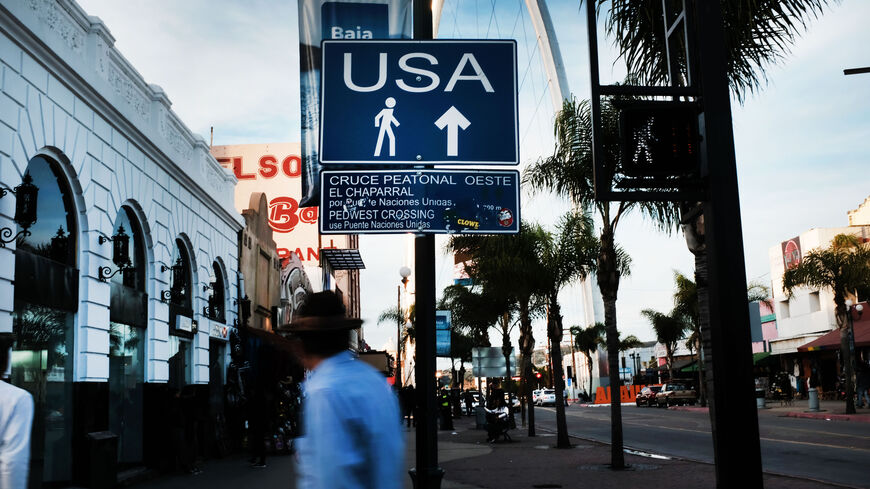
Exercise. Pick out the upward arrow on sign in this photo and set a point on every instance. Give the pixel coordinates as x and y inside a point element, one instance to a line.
<point>452,120</point>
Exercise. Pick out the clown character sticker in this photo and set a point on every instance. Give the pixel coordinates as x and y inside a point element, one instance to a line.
<point>505,217</point>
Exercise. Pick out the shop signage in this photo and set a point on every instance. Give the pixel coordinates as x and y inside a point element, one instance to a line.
<point>412,102</point>
<point>219,330</point>
<point>423,201</point>
<point>183,323</point>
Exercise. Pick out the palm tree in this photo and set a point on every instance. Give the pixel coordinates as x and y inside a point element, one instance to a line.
<point>397,315</point>
<point>687,304</point>
<point>510,264</point>
<point>461,345</point>
<point>586,341</point>
<point>842,267</point>
<point>669,329</point>
<point>629,342</point>
<point>758,35</point>
<point>568,257</point>
<point>568,172</point>
<point>472,313</point>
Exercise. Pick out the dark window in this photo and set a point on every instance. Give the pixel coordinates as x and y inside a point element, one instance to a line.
<point>180,290</point>
<point>217,299</point>
<point>134,277</point>
<point>180,280</point>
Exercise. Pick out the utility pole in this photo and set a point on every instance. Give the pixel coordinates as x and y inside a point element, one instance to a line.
<point>734,417</point>
<point>426,474</point>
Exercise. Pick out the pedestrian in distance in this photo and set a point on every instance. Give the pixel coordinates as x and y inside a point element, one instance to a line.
<point>862,385</point>
<point>351,433</point>
<point>16,418</point>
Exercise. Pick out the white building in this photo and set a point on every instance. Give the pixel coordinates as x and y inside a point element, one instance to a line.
<point>808,313</point>
<point>105,150</point>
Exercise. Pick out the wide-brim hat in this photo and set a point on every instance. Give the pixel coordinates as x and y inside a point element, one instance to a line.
<point>322,324</point>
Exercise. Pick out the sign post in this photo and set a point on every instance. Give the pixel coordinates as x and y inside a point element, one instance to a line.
<point>417,104</point>
<point>426,474</point>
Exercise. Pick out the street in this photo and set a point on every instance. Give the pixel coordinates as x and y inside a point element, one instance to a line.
<point>831,451</point>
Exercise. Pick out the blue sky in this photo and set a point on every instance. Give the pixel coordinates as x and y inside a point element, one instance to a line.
<point>802,142</point>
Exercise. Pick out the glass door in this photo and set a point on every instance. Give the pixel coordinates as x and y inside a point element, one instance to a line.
<point>126,376</point>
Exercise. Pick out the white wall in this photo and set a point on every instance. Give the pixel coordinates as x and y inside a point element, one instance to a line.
<point>67,93</point>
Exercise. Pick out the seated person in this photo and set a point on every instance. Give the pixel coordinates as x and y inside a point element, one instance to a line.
<point>496,420</point>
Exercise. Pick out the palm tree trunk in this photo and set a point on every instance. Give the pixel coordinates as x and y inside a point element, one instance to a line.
<point>703,320</point>
<point>527,344</point>
<point>693,227</point>
<point>608,284</point>
<point>617,458</point>
<point>555,333</point>
<point>848,371</point>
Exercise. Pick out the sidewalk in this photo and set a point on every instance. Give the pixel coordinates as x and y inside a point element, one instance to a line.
<point>828,411</point>
<point>471,463</point>
<point>535,462</point>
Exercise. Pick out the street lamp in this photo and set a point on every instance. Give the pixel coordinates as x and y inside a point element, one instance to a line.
<point>404,272</point>
<point>851,306</point>
<point>120,253</point>
<point>25,209</point>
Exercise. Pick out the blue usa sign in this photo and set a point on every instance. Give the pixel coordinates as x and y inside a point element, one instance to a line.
<point>419,102</point>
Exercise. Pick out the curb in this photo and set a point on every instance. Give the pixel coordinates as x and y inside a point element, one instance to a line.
<point>859,418</point>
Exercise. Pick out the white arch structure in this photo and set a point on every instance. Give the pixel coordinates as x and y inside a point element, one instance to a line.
<point>551,57</point>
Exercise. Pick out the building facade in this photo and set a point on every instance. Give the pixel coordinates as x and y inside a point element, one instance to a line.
<point>121,289</point>
<point>804,347</point>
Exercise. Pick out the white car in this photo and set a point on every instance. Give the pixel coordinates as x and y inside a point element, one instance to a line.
<point>547,396</point>
<point>536,394</point>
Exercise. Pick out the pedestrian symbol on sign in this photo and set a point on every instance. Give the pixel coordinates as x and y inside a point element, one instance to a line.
<point>385,121</point>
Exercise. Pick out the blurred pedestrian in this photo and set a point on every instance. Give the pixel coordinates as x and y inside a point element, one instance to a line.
<point>469,403</point>
<point>863,384</point>
<point>16,417</point>
<point>351,433</point>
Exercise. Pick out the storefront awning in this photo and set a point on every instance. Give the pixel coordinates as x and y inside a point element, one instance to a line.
<point>831,341</point>
<point>274,339</point>
<point>342,259</point>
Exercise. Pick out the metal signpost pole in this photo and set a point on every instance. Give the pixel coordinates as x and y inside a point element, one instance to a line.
<point>733,412</point>
<point>426,474</point>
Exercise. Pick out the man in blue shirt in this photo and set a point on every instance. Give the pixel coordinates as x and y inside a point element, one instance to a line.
<point>351,434</point>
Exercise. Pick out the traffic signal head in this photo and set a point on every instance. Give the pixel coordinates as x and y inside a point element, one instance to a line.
<point>538,374</point>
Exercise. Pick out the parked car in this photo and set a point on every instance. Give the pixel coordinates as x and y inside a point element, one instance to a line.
<point>647,395</point>
<point>676,393</point>
<point>512,400</point>
<point>536,394</point>
<point>548,396</point>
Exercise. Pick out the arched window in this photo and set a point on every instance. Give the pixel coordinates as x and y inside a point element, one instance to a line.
<point>53,235</point>
<point>180,281</point>
<point>180,316</point>
<point>45,302</point>
<point>217,300</point>
<point>128,316</point>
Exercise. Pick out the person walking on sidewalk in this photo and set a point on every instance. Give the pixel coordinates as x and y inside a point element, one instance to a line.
<point>351,429</point>
<point>16,417</point>
<point>863,385</point>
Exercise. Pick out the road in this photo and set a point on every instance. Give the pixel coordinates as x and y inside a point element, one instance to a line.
<point>831,451</point>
